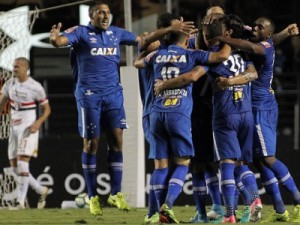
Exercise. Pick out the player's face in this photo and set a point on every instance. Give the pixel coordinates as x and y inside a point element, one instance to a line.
<point>261,30</point>
<point>20,69</point>
<point>101,17</point>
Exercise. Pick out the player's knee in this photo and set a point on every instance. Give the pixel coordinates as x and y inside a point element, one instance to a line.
<point>182,161</point>
<point>90,145</point>
<point>161,163</point>
<point>269,161</point>
<point>23,168</point>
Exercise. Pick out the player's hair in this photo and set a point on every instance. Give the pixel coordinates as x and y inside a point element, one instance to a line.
<point>164,20</point>
<point>93,4</point>
<point>235,24</point>
<point>214,29</point>
<point>25,60</point>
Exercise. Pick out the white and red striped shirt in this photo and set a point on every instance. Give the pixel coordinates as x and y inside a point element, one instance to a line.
<point>23,97</point>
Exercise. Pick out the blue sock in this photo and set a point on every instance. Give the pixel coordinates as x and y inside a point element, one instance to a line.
<point>115,168</point>
<point>243,191</point>
<point>199,192</point>
<point>283,176</point>
<point>89,162</point>
<point>270,183</point>
<point>160,185</point>
<point>228,186</point>
<point>236,198</point>
<point>212,182</point>
<point>247,177</point>
<point>175,184</point>
<point>152,204</point>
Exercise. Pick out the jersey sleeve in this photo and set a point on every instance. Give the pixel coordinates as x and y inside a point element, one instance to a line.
<point>73,34</point>
<point>200,57</point>
<point>127,37</point>
<point>149,59</point>
<point>40,94</point>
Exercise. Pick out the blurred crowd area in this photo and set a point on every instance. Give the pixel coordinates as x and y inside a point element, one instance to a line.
<point>281,12</point>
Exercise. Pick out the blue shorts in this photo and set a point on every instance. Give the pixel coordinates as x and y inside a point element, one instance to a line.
<point>264,143</point>
<point>233,136</point>
<point>172,135</point>
<point>106,112</point>
<point>148,135</point>
<point>202,137</point>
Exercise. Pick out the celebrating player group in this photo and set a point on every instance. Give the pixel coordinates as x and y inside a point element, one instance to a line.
<point>207,101</point>
<point>208,104</point>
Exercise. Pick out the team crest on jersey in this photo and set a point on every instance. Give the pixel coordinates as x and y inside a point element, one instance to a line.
<point>104,51</point>
<point>170,58</point>
<point>71,29</point>
<point>93,40</point>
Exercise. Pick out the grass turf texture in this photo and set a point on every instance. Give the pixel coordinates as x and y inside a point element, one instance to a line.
<point>111,216</point>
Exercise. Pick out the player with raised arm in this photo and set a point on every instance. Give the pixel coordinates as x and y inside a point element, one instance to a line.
<point>265,111</point>
<point>146,82</point>
<point>23,93</point>
<point>98,93</point>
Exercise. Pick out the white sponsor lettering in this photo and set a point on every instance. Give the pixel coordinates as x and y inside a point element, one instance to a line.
<point>104,51</point>
<point>170,58</point>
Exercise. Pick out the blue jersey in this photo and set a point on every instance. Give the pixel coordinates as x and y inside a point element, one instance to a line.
<point>146,82</point>
<point>98,57</point>
<point>235,99</point>
<point>168,63</point>
<point>263,97</point>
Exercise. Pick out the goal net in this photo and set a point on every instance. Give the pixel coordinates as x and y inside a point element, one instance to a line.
<point>15,41</point>
<point>8,188</point>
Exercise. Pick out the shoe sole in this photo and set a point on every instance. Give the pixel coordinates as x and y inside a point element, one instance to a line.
<point>256,215</point>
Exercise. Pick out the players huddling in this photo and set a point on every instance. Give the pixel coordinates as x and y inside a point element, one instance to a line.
<point>226,119</point>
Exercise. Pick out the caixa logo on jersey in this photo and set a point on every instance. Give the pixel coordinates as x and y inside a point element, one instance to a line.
<point>104,51</point>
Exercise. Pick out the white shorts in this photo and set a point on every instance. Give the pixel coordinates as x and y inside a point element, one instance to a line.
<point>21,142</point>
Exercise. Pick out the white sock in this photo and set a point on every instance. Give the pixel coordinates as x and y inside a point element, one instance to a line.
<point>23,168</point>
<point>35,185</point>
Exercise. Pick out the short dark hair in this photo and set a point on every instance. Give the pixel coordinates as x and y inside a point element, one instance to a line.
<point>164,20</point>
<point>214,28</point>
<point>234,23</point>
<point>25,60</point>
<point>93,5</point>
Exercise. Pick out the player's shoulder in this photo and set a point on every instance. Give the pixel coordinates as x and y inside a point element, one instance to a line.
<point>34,83</point>
<point>267,43</point>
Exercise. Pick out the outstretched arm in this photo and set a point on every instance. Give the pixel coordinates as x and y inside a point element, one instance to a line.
<point>290,30</point>
<point>186,27</point>
<point>179,81</point>
<point>55,39</point>
<point>247,76</point>
<point>243,45</point>
<point>221,55</point>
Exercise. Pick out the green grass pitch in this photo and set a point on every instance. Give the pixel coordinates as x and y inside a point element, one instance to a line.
<point>111,216</point>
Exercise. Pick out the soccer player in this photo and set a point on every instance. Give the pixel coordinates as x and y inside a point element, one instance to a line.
<point>98,93</point>
<point>265,111</point>
<point>23,93</point>
<point>146,81</point>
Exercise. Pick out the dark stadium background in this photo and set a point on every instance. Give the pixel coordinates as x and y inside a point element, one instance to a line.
<point>60,144</point>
